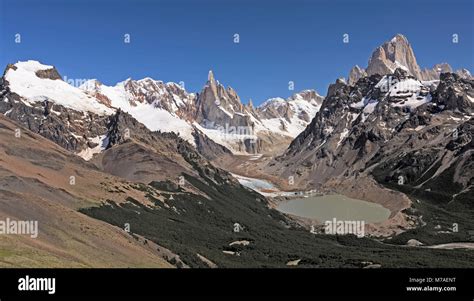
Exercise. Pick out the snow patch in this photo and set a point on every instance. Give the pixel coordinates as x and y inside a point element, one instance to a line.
<point>343,135</point>
<point>88,153</point>
<point>232,138</point>
<point>410,93</point>
<point>156,119</point>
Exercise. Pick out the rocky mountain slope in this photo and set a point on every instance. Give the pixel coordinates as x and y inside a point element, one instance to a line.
<point>41,181</point>
<point>396,127</point>
<point>413,130</point>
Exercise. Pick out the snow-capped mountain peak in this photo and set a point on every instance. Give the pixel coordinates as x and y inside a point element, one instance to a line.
<point>289,117</point>
<point>32,66</point>
<point>35,82</point>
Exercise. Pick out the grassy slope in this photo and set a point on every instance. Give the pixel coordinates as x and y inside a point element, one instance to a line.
<point>34,185</point>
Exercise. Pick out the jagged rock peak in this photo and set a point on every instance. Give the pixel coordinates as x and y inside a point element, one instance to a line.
<point>464,73</point>
<point>443,68</point>
<point>355,74</point>
<point>396,53</point>
<point>434,73</point>
<point>340,82</point>
<point>308,95</point>
<point>210,77</point>
<point>250,104</point>
<point>399,38</point>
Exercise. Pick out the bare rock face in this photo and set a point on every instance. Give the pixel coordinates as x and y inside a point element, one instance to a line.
<point>464,73</point>
<point>355,74</point>
<point>208,148</point>
<point>9,66</point>
<point>396,53</point>
<point>251,108</point>
<point>378,63</point>
<point>53,121</point>
<point>220,106</point>
<point>438,69</point>
<point>52,74</point>
<point>168,96</point>
<point>334,88</point>
<point>455,93</point>
<point>308,95</point>
<point>276,108</point>
<point>434,73</point>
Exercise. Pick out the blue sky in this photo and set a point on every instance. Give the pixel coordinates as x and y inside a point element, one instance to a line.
<point>181,40</point>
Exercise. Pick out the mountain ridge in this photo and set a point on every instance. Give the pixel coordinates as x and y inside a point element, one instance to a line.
<point>160,106</point>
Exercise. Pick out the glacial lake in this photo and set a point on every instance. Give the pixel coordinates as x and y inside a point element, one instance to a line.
<point>325,208</point>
